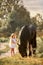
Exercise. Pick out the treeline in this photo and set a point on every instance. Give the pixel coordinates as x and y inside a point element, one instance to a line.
<point>13,15</point>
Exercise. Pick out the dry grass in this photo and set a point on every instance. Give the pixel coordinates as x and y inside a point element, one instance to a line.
<point>18,60</point>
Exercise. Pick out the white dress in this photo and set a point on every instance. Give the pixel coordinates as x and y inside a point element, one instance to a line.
<point>12,45</point>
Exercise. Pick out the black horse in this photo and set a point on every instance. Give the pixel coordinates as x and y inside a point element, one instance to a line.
<point>28,36</point>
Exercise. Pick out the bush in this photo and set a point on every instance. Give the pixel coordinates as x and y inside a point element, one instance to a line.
<point>2,39</point>
<point>40,44</point>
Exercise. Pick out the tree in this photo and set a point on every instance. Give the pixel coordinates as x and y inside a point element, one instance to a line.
<point>14,15</point>
<point>19,17</point>
<point>38,20</point>
<point>7,6</point>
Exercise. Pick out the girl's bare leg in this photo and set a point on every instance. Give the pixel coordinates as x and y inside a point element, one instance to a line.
<point>11,51</point>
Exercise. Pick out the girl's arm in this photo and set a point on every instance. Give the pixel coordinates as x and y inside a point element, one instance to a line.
<point>14,41</point>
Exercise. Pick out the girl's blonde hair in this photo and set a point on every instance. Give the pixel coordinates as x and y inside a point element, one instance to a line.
<point>13,34</point>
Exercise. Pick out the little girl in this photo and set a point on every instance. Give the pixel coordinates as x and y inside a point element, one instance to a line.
<point>12,43</point>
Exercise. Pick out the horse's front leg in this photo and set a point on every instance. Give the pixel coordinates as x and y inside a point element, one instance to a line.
<point>30,49</point>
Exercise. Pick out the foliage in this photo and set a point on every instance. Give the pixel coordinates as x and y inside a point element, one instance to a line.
<point>13,17</point>
<point>38,21</point>
<point>2,39</point>
<point>19,18</point>
<point>39,46</point>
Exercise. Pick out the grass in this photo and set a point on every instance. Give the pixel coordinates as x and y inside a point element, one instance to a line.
<point>4,50</point>
<point>18,60</point>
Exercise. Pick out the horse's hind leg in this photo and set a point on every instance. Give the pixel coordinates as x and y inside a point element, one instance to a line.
<point>34,46</point>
